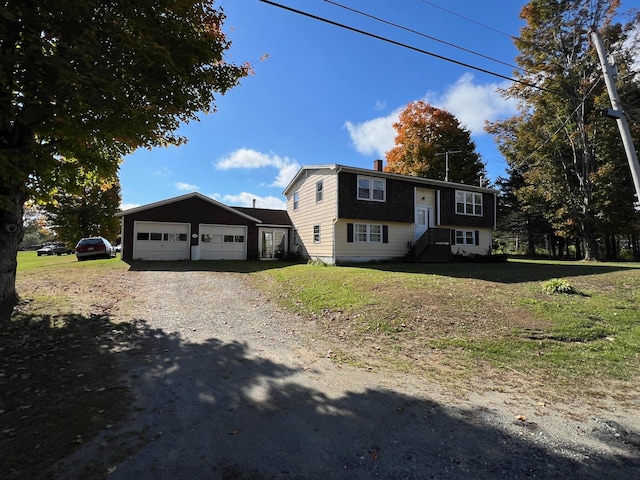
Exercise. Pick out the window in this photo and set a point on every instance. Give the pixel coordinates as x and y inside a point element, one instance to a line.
<point>468,203</point>
<point>316,234</point>
<point>205,238</point>
<point>372,189</point>
<point>319,191</point>
<point>296,200</point>
<point>239,239</point>
<point>368,233</point>
<point>156,236</point>
<point>142,236</point>
<point>228,239</point>
<point>466,237</point>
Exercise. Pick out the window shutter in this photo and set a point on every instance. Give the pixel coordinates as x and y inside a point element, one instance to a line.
<point>385,234</point>
<point>453,237</point>
<point>349,232</point>
<point>477,237</point>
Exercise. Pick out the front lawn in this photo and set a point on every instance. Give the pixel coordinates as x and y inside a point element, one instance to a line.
<point>491,323</point>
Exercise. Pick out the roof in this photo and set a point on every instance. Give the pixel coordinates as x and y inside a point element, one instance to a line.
<point>168,201</point>
<point>267,216</point>
<point>304,170</point>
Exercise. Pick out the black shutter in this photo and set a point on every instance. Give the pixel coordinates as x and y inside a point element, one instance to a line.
<point>453,237</point>
<point>385,234</point>
<point>477,237</point>
<point>349,232</point>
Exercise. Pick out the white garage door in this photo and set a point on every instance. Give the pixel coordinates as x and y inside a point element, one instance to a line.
<point>161,241</point>
<point>223,242</point>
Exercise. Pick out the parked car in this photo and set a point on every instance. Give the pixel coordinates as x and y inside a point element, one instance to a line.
<point>54,249</point>
<point>94,247</point>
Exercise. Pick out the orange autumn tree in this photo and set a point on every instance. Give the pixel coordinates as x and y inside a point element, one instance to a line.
<point>424,136</point>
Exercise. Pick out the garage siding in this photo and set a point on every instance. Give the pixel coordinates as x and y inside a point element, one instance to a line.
<point>192,211</point>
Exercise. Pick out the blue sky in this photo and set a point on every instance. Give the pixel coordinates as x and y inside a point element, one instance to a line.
<point>321,94</point>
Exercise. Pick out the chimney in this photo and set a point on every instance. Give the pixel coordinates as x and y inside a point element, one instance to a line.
<point>377,165</point>
<point>254,203</point>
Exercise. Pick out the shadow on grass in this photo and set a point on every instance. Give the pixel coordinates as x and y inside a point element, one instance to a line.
<point>503,272</point>
<point>58,387</point>
<point>508,272</point>
<point>222,410</point>
<point>234,266</point>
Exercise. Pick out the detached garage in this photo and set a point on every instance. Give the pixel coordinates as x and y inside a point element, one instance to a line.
<point>196,227</point>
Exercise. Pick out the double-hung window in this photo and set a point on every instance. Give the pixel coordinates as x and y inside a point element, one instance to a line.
<point>316,234</point>
<point>367,233</point>
<point>296,201</point>
<point>319,191</point>
<point>467,237</point>
<point>468,203</point>
<point>371,188</point>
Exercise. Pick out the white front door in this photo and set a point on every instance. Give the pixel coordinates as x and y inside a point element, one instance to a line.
<point>272,243</point>
<point>423,220</point>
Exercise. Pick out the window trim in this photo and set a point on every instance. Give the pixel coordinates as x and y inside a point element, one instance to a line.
<point>465,204</point>
<point>296,201</point>
<point>465,234</point>
<point>371,190</point>
<point>319,191</point>
<point>367,232</point>
<point>316,235</point>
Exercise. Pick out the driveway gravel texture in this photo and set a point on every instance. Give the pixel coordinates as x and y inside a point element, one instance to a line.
<point>226,385</point>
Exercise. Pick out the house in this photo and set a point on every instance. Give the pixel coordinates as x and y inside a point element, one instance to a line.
<point>196,227</point>
<point>344,214</point>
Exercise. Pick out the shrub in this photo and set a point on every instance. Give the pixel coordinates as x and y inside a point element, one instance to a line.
<point>558,285</point>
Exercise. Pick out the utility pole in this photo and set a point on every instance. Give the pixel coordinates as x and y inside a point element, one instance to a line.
<point>610,75</point>
<point>446,162</point>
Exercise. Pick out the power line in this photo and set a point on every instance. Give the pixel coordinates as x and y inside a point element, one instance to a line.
<point>410,47</point>
<point>424,35</point>
<point>469,19</point>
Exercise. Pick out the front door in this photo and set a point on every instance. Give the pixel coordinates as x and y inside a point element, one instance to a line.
<point>423,220</point>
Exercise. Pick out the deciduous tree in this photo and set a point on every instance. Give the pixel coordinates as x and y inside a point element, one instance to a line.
<point>87,209</point>
<point>424,136</point>
<point>84,82</point>
<point>559,141</point>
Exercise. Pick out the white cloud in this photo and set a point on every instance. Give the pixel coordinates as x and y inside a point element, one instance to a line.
<point>187,187</point>
<point>374,137</point>
<point>245,158</point>
<point>246,199</point>
<point>128,206</point>
<point>471,104</point>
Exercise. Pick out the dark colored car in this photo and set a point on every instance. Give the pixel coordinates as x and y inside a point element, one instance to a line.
<point>54,249</point>
<point>94,247</point>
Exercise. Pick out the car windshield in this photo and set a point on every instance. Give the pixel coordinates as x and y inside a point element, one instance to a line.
<point>90,241</point>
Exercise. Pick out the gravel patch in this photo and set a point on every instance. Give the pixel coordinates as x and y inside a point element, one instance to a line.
<point>226,385</point>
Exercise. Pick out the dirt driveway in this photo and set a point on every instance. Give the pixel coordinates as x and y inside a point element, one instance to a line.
<point>227,386</point>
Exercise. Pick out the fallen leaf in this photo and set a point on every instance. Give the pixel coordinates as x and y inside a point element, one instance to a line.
<point>522,418</point>
<point>234,432</point>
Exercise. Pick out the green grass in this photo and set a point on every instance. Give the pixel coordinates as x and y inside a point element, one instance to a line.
<point>475,318</point>
<point>58,375</point>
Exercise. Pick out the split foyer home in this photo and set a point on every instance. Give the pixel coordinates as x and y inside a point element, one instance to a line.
<point>335,214</point>
<point>344,214</point>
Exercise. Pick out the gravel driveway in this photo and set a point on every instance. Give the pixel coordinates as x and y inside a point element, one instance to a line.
<point>228,386</point>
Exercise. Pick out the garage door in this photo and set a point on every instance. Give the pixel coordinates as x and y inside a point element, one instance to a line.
<point>223,242</point>
<point>161,241</point>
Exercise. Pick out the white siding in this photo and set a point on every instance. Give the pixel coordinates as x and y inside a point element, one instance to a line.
<point>399,235</point>
<point>310,213</point>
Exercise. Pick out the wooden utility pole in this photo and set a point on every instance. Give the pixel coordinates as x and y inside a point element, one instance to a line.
<point>610,74</point>
<point>446,162</point>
